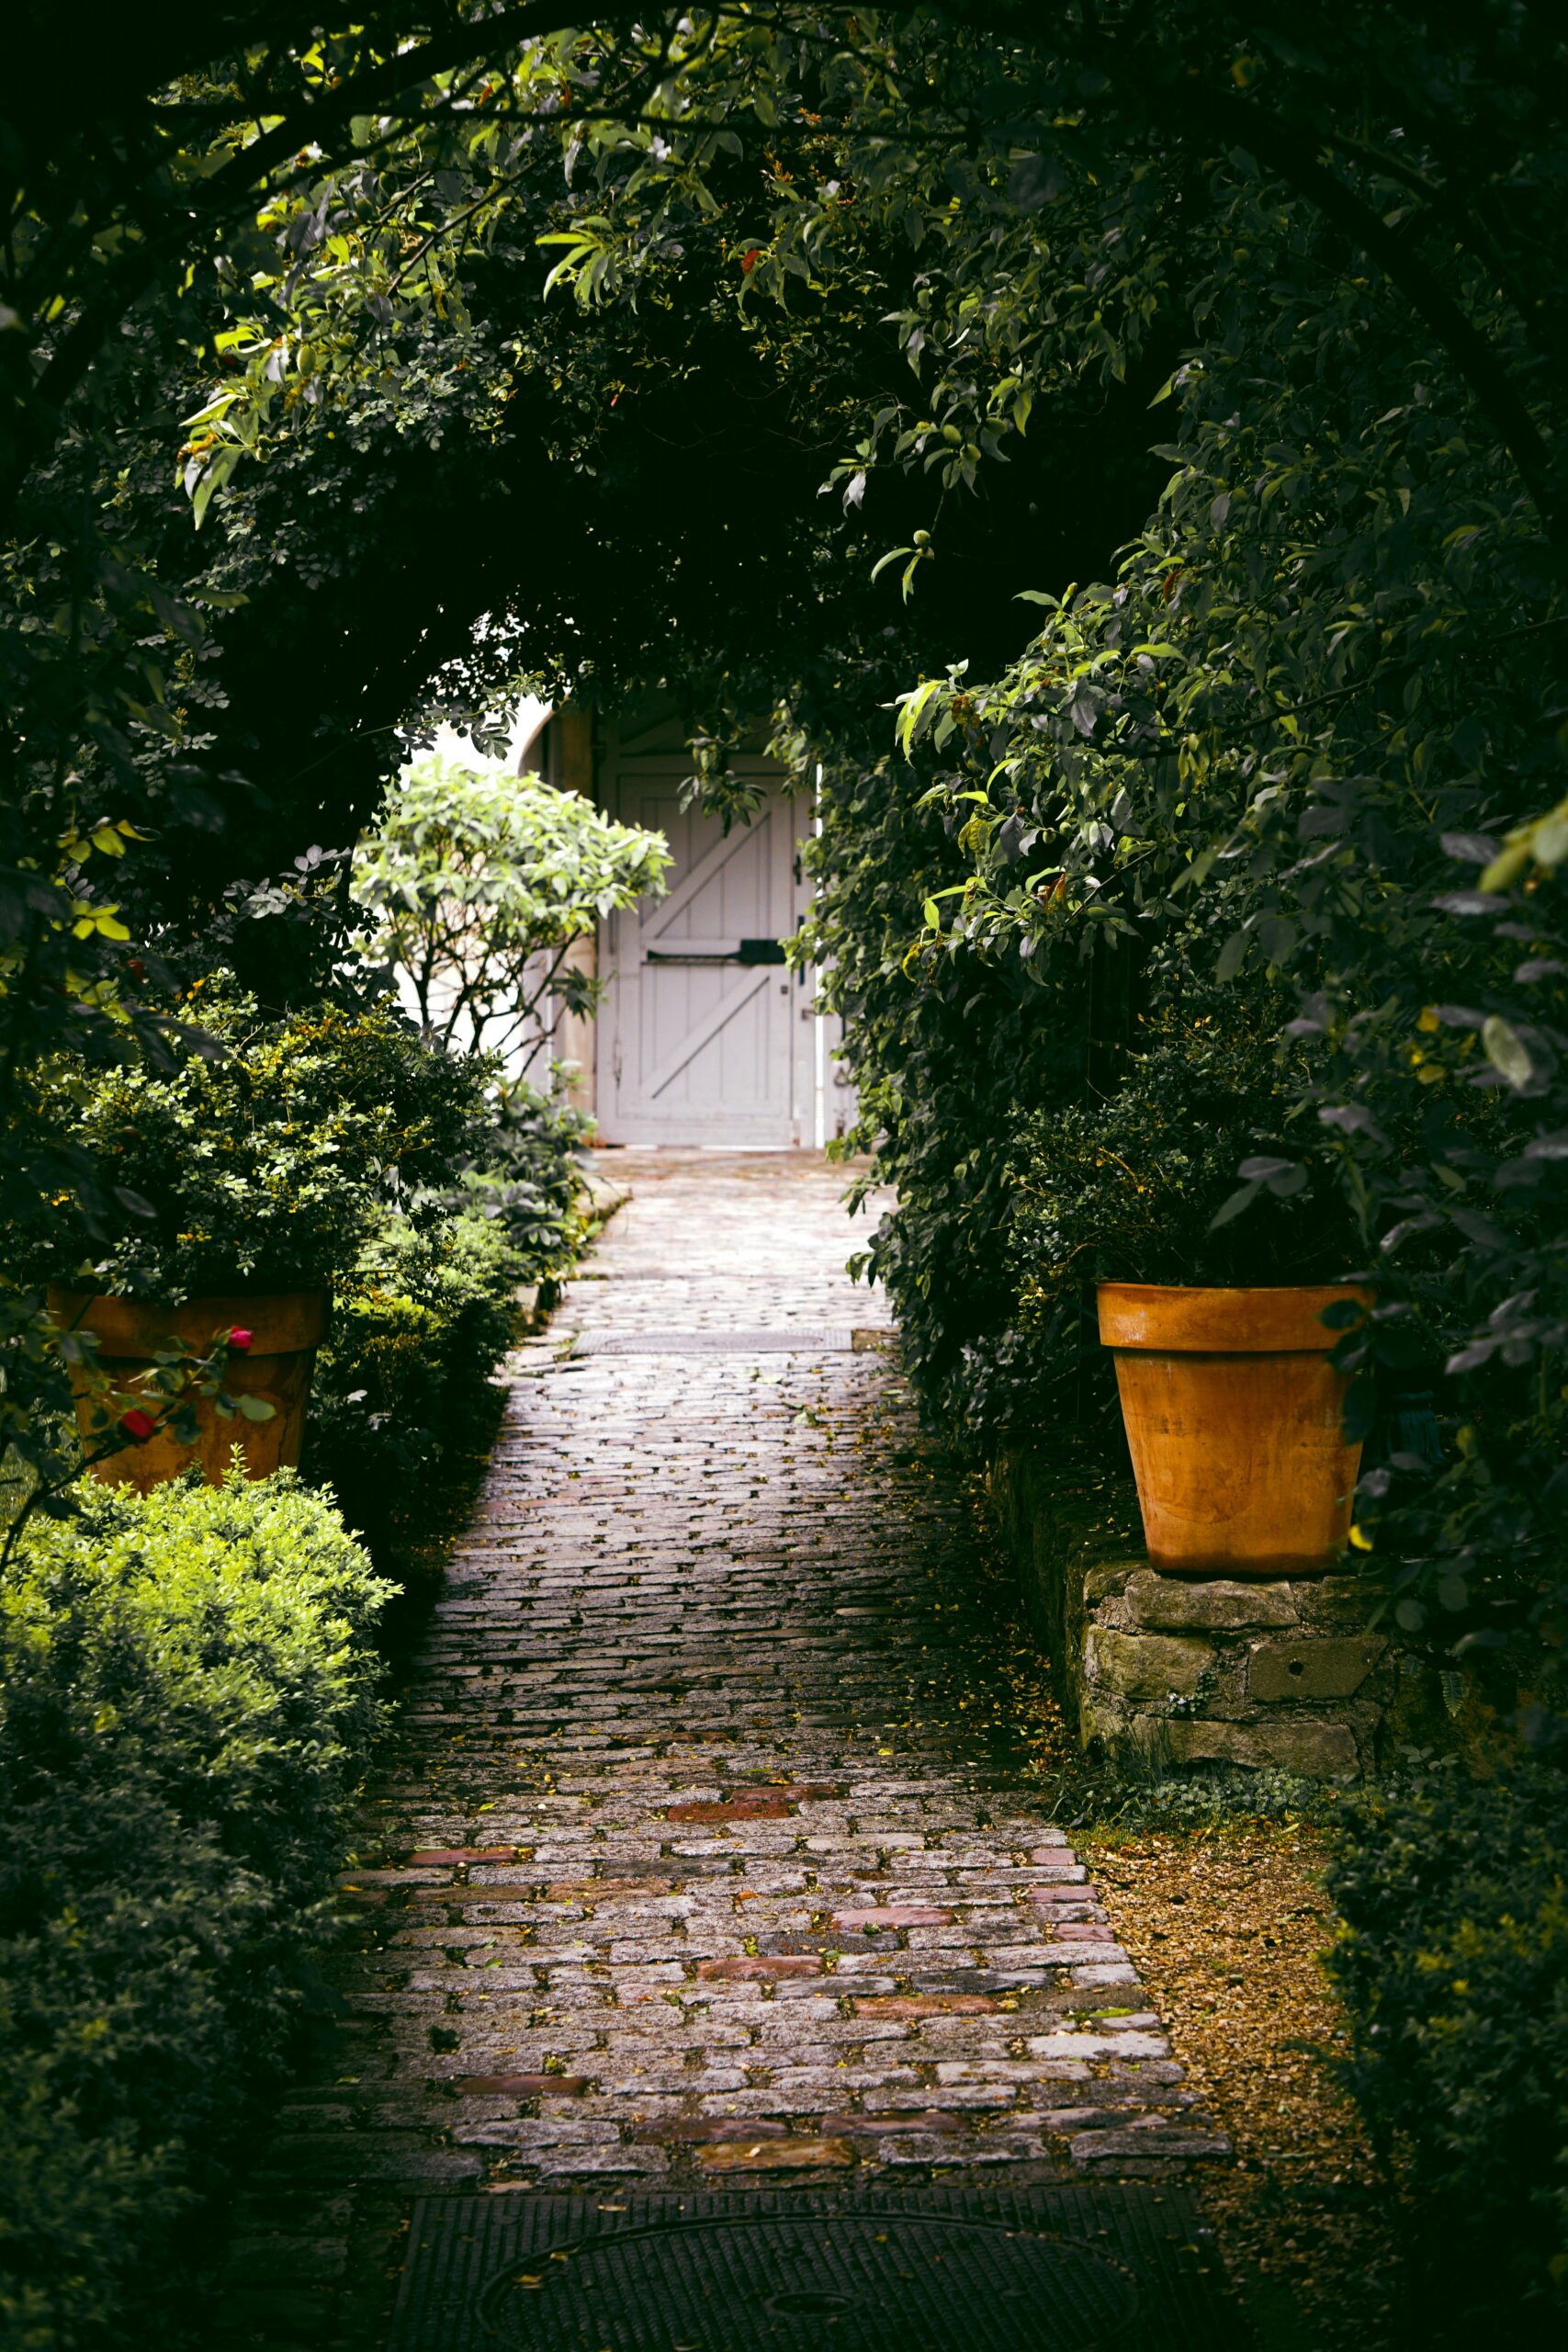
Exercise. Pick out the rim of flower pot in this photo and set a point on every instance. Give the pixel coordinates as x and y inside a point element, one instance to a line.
<point>1213,1318</point>
<point>279,1322</point>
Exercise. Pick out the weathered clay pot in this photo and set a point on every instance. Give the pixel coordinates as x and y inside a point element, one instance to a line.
<point>1233,1420</point>
<point>287,1328</point>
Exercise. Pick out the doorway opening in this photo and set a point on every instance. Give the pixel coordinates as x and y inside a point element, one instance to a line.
<point>706,1034</point>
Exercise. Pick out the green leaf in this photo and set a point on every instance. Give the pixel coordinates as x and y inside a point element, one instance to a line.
<point>1232,955</point>
<point>1505,870</point>
<point>913,711</point>
<point>1239,1200</point>
<point>1506,1050</point>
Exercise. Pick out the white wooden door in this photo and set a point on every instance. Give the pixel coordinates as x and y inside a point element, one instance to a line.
<point>706,1035</point>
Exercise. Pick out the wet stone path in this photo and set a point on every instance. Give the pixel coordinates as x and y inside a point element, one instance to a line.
<point>682,1867</point>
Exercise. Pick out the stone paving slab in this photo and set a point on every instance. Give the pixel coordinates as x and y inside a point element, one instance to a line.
<point>683,1865</point>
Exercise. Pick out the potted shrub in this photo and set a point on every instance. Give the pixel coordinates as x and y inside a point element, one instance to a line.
<point>160,1386</point>
<point>1220,1303</point>
<point>253,1168</point>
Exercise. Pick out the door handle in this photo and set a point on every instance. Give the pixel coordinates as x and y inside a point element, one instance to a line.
<point>739,951</point>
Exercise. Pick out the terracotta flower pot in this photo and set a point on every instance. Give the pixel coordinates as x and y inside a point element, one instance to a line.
<point>1233,1417</point>
<point>285,1328</point>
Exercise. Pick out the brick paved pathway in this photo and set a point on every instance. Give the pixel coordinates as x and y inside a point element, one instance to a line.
<point>683,1865</point>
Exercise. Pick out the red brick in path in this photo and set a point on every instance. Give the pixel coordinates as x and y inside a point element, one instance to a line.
<point>681,1866</point>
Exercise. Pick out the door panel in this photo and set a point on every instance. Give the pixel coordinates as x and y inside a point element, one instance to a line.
<point>701,1038</point>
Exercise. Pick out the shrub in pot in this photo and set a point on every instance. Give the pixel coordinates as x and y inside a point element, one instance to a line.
<point>254,1167</point>
<point>1211,1297</point>
<point>188,1382</point>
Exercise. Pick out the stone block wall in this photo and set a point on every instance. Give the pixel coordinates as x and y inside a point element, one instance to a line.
<point>1183,1670</point>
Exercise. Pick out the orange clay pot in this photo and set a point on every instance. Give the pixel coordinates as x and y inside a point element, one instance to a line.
<point>287,1328</point>
<point>1234,1418</point>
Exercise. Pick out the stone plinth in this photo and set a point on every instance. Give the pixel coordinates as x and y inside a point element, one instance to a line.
<point>1188,1670</point>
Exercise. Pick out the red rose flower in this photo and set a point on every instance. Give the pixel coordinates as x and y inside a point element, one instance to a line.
<point>137,1424</point>
<point>241,1339</point>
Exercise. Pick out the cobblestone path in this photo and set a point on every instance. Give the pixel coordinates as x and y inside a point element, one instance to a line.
<point>683,1865</point>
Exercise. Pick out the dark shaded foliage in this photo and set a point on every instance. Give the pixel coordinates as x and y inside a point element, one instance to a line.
<point>1454,1969</point>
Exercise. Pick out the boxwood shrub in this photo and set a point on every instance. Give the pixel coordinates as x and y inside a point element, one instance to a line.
<point>263,1156</point>
<point>187,1685</point>
<point>1454,1967</point>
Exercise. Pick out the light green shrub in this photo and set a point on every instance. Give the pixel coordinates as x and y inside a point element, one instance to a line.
<point>187,1687</point>
<point>479,881</point>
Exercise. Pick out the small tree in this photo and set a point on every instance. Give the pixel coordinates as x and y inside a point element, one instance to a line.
<point>480,882</point>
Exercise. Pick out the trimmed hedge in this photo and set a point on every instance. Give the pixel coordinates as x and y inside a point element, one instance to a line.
<point>188,1684</point>
<point>1454,1968</point>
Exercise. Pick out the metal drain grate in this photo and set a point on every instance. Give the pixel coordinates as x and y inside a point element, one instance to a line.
<point>895,2282</point>
<point>778,1339</point>
<point>950,2271</point>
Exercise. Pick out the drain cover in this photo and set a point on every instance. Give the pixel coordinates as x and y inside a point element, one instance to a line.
<point>777,1339</point>
<point>880,2282</point>
<point>1094,2265</point>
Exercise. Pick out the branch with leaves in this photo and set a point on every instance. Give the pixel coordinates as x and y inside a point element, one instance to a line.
<point>479,883</point>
